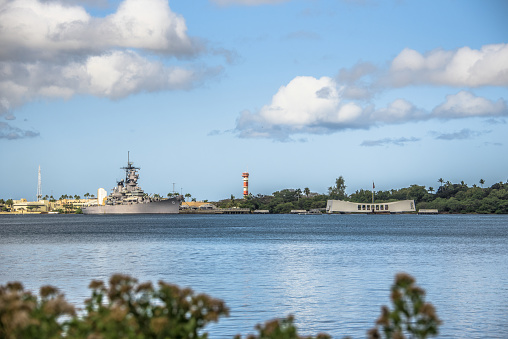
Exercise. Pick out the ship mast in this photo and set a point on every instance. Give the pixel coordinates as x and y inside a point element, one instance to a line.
<point>130,174</point>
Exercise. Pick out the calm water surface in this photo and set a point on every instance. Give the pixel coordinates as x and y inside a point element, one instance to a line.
<point>332,272</point>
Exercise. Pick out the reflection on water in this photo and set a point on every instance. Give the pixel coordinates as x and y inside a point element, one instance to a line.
<point>332,272</point>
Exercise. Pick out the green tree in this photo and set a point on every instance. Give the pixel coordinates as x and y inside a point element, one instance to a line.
<point>298,193</point>
<point>441,181</point>
<point>284,207</point>
<point>306,190</point>
<point>416,193</point>
<point>431,189</point>
<point>188,195</point>
<point>339,190</point>
<point>482,182</point>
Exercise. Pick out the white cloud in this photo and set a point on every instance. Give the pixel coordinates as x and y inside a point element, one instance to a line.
<point>114,75</point>
<point>32,30</point>
<point>465,104</point>
<point>119,74</point>
<point>310,105</point>
<point>307,105</point>
<point>399,111</point>
<point>468,67</point>
<point>54,50</point>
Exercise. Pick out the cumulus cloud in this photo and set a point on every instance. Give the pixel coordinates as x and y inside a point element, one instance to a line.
<point>57,50</point>
<point>466,104</point>
<point>389,141</point>
<point>113,75</point>
<point>32,30</point>
<point>311,105</point>
<point>9,132</point>
<point>305,105</point>
<point>487,66</point>
<point>328,105</point>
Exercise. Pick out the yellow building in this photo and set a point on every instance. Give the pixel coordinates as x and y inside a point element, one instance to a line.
<point>197,205</point>
<point>24,206</point>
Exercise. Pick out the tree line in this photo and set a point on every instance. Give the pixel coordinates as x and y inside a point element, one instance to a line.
<point>448,198</point>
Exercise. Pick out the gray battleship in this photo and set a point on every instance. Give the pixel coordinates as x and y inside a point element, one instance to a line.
<point>128,198</point>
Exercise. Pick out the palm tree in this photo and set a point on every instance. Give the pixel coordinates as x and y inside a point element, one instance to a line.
<point>431,189</point>
<point>440,180</point>
<point>188,195</point>
<point>482,182</point>
<point>306,190</point>
<point>298,193</point>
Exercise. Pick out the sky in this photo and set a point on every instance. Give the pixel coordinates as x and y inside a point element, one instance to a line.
<point>296,92</point>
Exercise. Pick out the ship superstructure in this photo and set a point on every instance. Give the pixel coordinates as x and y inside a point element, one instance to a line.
<point>128,198</point>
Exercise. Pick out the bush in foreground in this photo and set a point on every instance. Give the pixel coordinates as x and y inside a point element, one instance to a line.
<point>128,309</point>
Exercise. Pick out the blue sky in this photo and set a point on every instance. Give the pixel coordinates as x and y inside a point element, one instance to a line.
<point>296,92</point>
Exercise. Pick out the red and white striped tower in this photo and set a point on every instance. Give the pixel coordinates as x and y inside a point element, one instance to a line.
<point>245,176</point>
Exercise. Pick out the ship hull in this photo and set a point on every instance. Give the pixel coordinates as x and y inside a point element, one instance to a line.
<point>169,206</point>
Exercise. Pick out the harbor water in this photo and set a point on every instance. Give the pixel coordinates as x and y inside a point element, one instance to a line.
<point>332,272</point>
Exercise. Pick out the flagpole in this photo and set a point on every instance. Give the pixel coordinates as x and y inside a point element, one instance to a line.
<point>373,186</point>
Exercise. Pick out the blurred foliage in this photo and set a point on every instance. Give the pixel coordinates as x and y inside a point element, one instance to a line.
<point>23,315</point>
<point>280,329</point>
<point>128,309</point>
<point>411,316</point>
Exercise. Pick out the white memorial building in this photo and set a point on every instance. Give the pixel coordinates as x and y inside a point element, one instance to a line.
<point>340,206</point>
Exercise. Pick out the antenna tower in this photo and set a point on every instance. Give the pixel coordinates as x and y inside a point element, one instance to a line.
<point>39,184</point>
